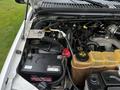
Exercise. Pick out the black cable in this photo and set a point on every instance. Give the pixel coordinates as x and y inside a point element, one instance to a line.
<point>50,25</point>
<point>69,46</point>
<point>49,48</point>
<point>69,75</point>
<point>54,83</point>
<point>51,40</point>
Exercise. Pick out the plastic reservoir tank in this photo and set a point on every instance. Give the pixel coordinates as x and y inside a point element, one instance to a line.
<point>97,61</point>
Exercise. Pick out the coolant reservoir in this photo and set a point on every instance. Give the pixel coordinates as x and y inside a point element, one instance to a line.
<point>97,61</point>
<point>110,59</point>
<point>117,56</point>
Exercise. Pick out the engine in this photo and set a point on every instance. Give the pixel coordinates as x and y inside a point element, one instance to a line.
<point>85,35</point>
<point>61,52</point>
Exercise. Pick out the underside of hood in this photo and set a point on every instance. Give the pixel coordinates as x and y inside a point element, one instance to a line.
<point>74,4</point>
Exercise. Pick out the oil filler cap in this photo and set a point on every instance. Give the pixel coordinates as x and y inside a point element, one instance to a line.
<point>82,56</point>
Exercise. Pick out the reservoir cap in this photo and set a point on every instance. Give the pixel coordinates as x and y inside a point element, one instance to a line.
<point>82,56</point>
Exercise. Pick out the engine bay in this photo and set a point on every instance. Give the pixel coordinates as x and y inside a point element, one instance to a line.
<point>62,51</point>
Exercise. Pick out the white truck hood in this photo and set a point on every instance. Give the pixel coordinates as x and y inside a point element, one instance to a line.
<point>65,3</point>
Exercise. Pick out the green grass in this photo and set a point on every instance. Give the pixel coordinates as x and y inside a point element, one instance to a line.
<point>11,17</point>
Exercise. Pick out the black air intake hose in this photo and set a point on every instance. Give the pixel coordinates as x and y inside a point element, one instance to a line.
<point>52,40</point>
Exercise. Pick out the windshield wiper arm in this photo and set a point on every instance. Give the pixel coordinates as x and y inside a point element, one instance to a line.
<point>95,3</point>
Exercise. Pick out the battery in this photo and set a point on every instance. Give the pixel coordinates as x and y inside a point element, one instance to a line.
<point>42,67</point>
